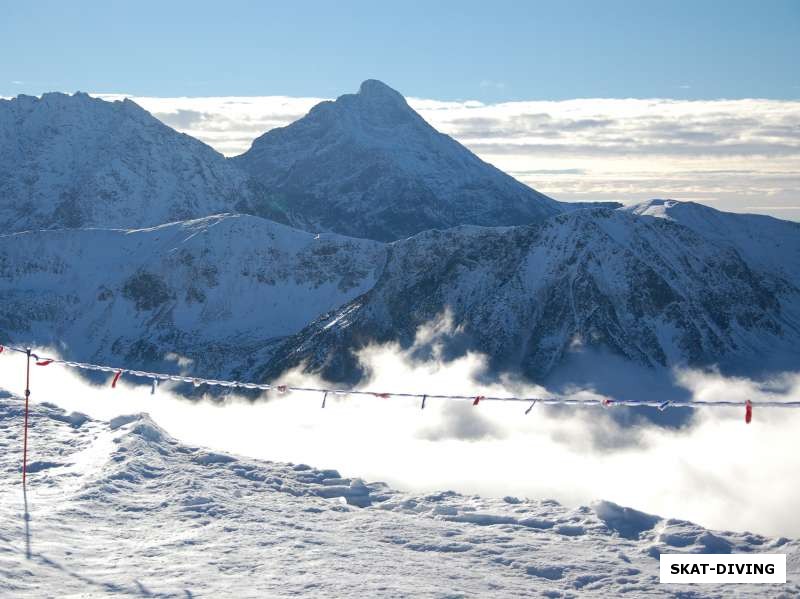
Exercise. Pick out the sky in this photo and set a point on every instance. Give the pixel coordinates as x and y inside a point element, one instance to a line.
<point>619,100</point>
<point>449,50</point>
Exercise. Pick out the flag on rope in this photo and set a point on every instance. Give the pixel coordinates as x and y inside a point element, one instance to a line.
<point>605,402</point>
<point>661,405</point>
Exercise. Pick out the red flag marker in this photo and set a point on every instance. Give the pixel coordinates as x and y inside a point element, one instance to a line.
<point>478,400</point>
<point>382,395</point>
<point>607,402</point>
<point>1,349</point>
<point>116,378</point>
<point>748,411</point>
<point>281,388</point>
<point>44,362</point>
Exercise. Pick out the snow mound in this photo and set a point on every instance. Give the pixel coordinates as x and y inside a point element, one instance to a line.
<point>627,522</point>
<point>123,508</point>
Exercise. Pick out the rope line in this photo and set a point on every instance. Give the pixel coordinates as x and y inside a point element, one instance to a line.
<point>475,399</point>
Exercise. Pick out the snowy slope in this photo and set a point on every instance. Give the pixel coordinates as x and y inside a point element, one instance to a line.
<point>76,161</point>
<point>194,288</point>
<point>647,288</point>
<point>121,508</point>
<point>367,165</point>
<point>765,242</point>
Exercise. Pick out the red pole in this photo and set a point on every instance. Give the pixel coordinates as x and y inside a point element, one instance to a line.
<point>25,442</point>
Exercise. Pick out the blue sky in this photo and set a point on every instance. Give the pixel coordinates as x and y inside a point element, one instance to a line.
<point>489,51</point>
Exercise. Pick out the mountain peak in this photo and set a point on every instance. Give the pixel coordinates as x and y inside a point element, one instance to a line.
<point>367,165</point>
<point>78,161</point>
<point>373,89</point>
<point>377,104</point>
<point>69,106</point>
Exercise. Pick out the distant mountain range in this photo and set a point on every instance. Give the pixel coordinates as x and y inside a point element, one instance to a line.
<point>386,226</point>
<point>365,165</point>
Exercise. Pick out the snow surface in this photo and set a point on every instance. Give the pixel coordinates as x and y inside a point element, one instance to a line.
<point>121,508</point>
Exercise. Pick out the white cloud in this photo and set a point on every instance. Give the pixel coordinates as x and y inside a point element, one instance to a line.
<point>489,84</point>
<point>739,155</point>
<point>716,470</point>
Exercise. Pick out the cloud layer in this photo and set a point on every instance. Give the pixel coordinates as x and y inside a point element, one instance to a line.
<point>714,470</point>
<point>738,155</point>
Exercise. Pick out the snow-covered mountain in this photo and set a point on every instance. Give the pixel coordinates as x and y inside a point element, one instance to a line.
<point>76,161</point>
<point>367,165</point>
<point>122,508</point>
<point>661,283</point>
<point>766,242</point>
<point>195,288</point>
<point>650,289</point>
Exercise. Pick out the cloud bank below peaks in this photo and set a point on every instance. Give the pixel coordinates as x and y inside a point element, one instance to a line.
<point>713,469</point>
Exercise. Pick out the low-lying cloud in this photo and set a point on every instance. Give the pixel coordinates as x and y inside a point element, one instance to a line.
<point>713,468</point>
<point>739,155</point>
